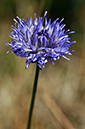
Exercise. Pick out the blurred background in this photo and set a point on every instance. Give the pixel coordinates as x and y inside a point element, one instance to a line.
<point>64,82</point>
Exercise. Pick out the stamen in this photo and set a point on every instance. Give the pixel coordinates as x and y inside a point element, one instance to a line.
<point>45,13</point>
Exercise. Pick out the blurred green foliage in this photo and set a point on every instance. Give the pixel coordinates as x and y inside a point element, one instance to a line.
<point>7,9</point>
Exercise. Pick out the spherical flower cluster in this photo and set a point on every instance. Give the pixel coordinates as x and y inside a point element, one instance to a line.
<point>41,41</point>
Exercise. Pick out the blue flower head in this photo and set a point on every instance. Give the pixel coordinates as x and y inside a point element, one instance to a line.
<point>40,41</point>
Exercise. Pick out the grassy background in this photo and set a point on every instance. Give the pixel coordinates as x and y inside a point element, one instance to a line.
<point>64,82</point>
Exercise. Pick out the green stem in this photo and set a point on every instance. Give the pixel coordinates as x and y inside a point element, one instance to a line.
<point>33,97</point>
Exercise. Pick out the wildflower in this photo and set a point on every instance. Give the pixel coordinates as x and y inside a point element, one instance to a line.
<point>41,41</point>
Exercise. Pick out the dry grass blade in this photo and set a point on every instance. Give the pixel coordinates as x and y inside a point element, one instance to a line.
<point>53,107</point>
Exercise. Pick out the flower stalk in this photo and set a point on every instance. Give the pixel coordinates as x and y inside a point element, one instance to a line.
<point>33,97</point>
